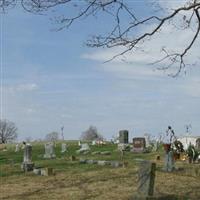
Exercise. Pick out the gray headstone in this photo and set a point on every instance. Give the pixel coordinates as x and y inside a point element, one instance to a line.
<point>169,162</point>
<point>146,178</point>
<point>103,162</point>
<point>27,164</point>
<point>96,152</point>
<point>123,136</point>
<point>49,150</point>
<point>37,171</point>
<point>91,162</point>
<point>84,148</point>
<point>82,161</point>
<point>115,164</point>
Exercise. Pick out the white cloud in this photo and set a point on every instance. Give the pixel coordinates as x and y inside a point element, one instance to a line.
<point>172,4</point>
<point>137,62</point>
<point>23,87</point>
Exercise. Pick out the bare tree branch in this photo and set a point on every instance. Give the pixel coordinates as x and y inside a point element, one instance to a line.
<point>123,33</point>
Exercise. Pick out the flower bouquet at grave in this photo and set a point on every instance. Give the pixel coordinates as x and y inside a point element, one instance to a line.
<point>167,147</point>
<point>177,149</point>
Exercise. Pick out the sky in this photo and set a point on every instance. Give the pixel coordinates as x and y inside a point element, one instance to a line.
<point>51,79</point>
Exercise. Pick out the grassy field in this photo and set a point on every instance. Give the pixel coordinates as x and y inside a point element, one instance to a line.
<point>85,181</point>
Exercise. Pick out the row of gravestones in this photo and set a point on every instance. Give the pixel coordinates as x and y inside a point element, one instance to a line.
<point>146,172</point>
<point>48,147</point>
<point>140,144</point>
<point>28,165</point>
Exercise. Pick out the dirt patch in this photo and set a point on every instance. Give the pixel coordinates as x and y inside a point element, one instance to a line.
<point>118,184</point>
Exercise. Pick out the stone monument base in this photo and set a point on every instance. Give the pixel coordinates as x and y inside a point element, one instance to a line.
<point>47,156</point>
<point>27,166</point>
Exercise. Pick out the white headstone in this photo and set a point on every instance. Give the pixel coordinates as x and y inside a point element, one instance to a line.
<point>85,146</point>
<point>147,140</point>
<point>17,148</point>
<point>63,148</point>
<point>94,142</point>
<point>49,151</point>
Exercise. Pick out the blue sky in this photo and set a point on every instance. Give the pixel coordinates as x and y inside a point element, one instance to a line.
<point>51,79</point>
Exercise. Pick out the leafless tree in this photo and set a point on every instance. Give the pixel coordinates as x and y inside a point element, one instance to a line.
<point>8,131</point>
<point>91,134</point>
<point>128,30</point>
<point>52,137</point>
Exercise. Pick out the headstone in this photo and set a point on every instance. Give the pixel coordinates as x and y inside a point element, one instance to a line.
<point>198,144</point>
<point>47,171</point>
<point>146,179</point>
<point>17,148</point>
<point>94,142</point>
<point>84,148</point>
<point>147,140</point>
<point>103,162</point>
<point>123,136</point>
<point>169,158</point>
<point>139,145</point>
<point>79,143</point>
<point>156,145</point>
<point>91,161</point>
<point>95,153</point>
<point>63,148</point>
<point>116,164</point>
<point>82,160</point>
<point>49,151</point>
<point>27,164</point>
<point>37,171</point>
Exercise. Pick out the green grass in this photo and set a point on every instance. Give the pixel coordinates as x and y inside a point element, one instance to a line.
<point>11,160</point>
<point>87,181</point>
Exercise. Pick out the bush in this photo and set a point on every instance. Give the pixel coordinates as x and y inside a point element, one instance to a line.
<point>91,134</point>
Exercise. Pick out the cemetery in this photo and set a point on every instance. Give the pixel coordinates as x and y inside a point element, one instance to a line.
<point>84,170</point>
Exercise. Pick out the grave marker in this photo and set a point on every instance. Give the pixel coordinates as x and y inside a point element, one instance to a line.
<point>27,164</point>
<point>139,144</point>
<point>17,148</point>
<point>146,179</point>
<point>123,136</point>
<point>63,148</point>
<point>49,151</point>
